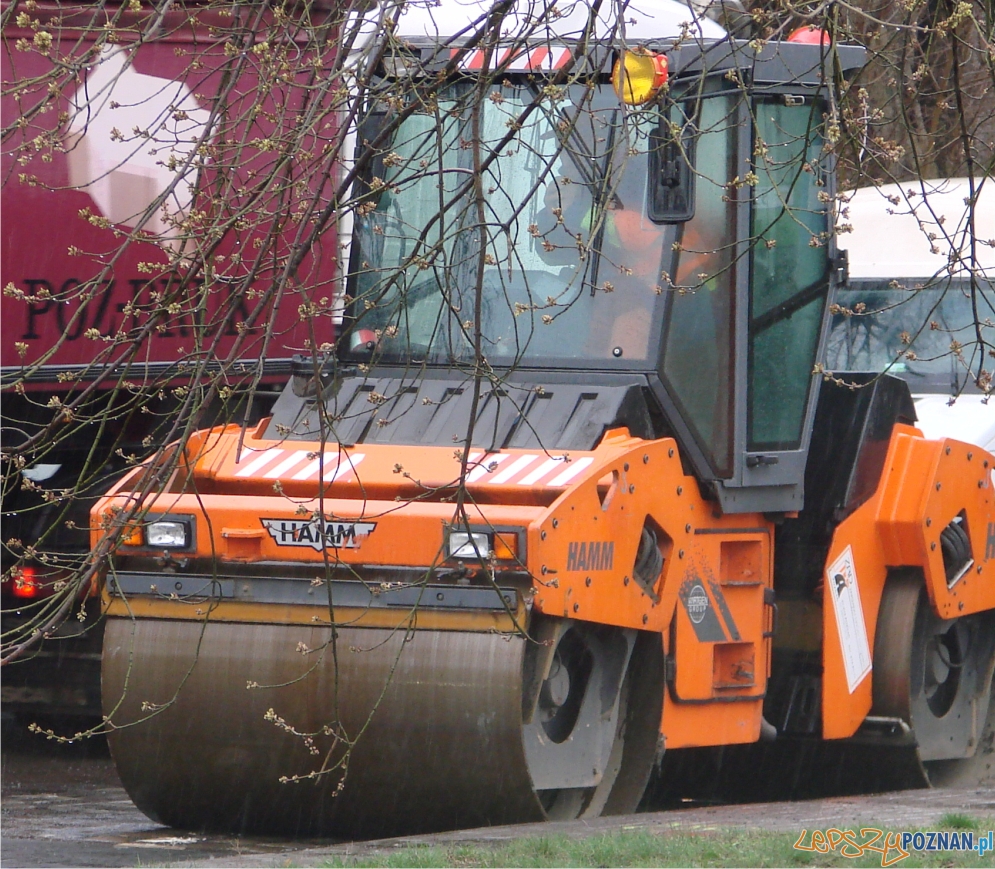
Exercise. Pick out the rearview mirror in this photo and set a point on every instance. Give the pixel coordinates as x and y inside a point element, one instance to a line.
<point>671,188</point>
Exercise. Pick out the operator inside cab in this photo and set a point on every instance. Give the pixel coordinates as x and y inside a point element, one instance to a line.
<point>628,248</point>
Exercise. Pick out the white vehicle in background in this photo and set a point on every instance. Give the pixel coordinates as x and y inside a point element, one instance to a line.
<point>908,302</point>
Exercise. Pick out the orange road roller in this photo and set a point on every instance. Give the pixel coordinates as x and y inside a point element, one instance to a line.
<point>570,498</point>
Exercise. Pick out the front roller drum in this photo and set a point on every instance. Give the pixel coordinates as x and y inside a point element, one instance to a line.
<point>267,728</point>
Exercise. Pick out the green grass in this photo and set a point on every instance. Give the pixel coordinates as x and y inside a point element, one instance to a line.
<point>958,821</point>
<point>644,848</point>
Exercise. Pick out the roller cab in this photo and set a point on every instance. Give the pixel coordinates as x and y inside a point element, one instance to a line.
<point>518,534</point>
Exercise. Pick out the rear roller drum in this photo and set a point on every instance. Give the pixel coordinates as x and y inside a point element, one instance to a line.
<point>936,676</point>
<point>450,728</point>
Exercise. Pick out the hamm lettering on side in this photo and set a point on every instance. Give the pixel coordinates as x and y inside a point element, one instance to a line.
<point>593,555</point>
<point>316,534</point>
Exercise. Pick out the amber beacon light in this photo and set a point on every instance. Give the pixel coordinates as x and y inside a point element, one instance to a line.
<point>639,75</point>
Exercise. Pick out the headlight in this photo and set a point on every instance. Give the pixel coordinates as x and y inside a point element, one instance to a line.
<point>167,535</point>
<point>501,545</point>
<point>476,545</point>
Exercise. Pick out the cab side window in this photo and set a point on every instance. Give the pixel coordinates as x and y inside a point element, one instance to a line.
<point>790,277</point>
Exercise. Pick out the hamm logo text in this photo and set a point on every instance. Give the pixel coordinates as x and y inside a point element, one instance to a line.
<point>317,534</point>
<point>593,555</point>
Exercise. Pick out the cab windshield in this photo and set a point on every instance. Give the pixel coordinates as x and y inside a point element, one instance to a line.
<point>526,215</point>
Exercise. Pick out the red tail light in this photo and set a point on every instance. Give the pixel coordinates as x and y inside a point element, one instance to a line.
<point>26,584</point>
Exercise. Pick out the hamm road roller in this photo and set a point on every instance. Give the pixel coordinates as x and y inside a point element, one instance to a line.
<point>568,493</point>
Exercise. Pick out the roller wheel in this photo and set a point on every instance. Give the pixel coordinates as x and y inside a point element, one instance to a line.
<point>592,702</point>
<point>448,728</point>
<point>936,675</point>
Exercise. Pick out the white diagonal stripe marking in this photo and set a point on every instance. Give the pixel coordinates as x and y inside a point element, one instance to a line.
<point>572,471</point>
<point>295,458</point>
<point>520,464</point>
<point>311,469</point>
<point>346,464</point>
<point>541,471</point>
<point>258,463</point>
<point>484,467</point>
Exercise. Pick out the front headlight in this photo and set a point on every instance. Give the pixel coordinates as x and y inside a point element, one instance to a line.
<point>476,544</point>
<point>167,534</point>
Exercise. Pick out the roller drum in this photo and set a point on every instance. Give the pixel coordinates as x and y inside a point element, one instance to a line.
<point>436,718</point>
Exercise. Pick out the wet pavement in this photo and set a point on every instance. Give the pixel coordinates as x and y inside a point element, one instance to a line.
<point>64,806</point>
<point>896,811</point>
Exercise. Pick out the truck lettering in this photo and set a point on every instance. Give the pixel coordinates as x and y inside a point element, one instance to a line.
<point>65,318</point>
<point>36,309</point>
<point>595,555</point>
<point>316,534</point>
<point>241,310</point>
<point>64,315</point>
<point>105,300</point>
<point>76,312</point>
<point>285,530</point>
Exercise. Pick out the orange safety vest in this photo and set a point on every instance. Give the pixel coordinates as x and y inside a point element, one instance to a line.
<point>638,242</point>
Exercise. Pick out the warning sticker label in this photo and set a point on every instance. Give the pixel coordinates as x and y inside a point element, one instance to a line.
<point>842,579</point>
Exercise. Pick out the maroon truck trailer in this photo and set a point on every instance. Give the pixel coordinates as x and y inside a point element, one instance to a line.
<point>162,173</point>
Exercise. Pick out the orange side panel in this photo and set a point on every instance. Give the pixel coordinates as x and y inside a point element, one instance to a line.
<point>940,480</point>
<point>585,545</point>
<point>583,548</point>
<point>709,599</point>
<point>688,725</point>
<point>924,485</point>
<point>851,599</point>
